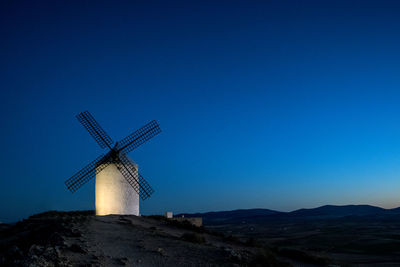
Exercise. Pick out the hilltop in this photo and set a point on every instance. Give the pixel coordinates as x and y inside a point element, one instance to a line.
<point>82,239</point>
<point>341,235</point>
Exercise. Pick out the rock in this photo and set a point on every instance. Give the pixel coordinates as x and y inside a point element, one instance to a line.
<point>57,239</point>
<point>14,252</point>
<point>50,253</point>
<point>34,257</point>
<point>161,251</point>
<point>76,248</point>
<point>121,261</point>
<point>75,233</point>
<point>233,255</point>
<point>36,261</point>
<point>58,251</point>
<point>35,250</point>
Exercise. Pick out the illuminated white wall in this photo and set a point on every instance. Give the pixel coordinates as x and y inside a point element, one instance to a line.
<point>114,195</point>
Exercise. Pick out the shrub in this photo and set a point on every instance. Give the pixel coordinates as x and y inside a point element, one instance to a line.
<point>302,256</point>
<point>193,237</point>
<point>232,239</point>
<point>252,242</point>
<point>265,257</point>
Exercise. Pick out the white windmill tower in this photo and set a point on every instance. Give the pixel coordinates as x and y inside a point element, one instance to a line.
<point>118,182</point>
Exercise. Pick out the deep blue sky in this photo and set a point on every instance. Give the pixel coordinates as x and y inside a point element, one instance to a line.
<point>268,104</point>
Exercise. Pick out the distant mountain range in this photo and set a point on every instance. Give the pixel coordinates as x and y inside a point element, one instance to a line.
<point>232,214</point>
<point>323,212</point>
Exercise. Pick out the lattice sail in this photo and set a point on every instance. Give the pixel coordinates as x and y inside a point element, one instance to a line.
<point>129,171</point>
<point>140,136</point>
<point>87,173</point>
<point>116,155</point>
<point>95,130</point>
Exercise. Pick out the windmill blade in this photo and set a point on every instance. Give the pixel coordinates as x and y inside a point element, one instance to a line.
<point>95,130</point>
<point>131,174</point>
<point>87,173</point>
<point>137,138</point>
<point>145,189</point>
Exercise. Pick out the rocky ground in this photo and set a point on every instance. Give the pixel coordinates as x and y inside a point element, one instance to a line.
<point>83,239</point>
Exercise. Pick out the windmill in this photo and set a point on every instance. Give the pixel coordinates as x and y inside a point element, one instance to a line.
<point>118,182</point>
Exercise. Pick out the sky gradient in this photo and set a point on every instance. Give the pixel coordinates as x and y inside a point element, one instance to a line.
<point>263,104</point>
